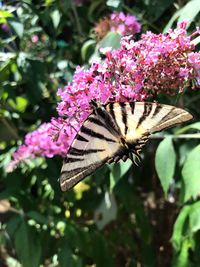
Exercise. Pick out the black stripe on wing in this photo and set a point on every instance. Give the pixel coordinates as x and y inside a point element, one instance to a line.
<point>92,133</point>
<point>132,106</point>
<point>80,152</point>
<point>70,159</point>
<point>109,121</point>
<point>108,125</point>
<point>124,116</point>
<point>146,112</point>
<point>81,138</point>
<point>111,110</point>
<point>96,121</point>
<point>157,109</point>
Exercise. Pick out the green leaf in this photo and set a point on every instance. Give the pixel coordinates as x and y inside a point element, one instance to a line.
<point>195,126</point>
<point>113,3</point>
<point>183,259</point>
<point>191,174</point>
<point>4,14</point>
<point>100,251</point>
<point>178,235</point>
<point>194,217</point>
<point>87,49</point>
<point>118,171</point>
<point>196,41</point>
<point>165,162</point>
<point>20,103</point>
<point>66,258</point>
<point>188,12</point>
<point>17,26</point>
<point>156,8</point>
<point>28,245</point>
<point>112,39</point>
<point>55,16</point>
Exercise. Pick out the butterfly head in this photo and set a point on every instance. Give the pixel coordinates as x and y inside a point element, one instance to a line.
<point>94,104</point>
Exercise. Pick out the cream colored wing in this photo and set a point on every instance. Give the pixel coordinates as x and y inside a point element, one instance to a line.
<point>139,119</point>
<point>96,142</point>
<point>115,131</point>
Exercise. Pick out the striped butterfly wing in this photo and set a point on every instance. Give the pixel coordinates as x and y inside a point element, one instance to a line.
<point>140,119</point>
<point>96,142</point>
<point>110,132</point>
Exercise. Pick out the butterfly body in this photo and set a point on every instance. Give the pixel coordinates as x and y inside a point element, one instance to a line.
<point>113,132</point>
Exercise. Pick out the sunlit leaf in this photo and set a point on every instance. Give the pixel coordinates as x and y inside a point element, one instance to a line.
<point>19,104</point>
<point>4,14</point>
<point>188,12</point>
<point>182,259</point>
<point>113,3</point>
<point>191,174</point>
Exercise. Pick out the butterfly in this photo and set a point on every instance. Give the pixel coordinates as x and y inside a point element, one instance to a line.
<point>113,132</point>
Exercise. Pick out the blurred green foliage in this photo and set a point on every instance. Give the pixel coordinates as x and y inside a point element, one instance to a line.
<point>123,215</point>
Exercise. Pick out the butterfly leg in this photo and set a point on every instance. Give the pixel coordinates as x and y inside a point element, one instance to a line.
<point>124,158</point>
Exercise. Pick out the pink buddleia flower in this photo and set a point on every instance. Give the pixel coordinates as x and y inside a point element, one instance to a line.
<point>156,64</point>
<point>124,24</point>
<point>45,142</point>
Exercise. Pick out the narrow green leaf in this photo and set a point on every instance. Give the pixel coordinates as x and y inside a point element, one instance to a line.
<point>191,174</point>
<point>178,235</point>
<point>194,217</point>
<point>165,162</point>
<point>28,245</point>
<point>188,12</point>
<point>87,48</point>
<point>195,126</point>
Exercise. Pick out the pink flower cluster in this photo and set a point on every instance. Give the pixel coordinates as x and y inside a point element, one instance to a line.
<point>156,64</point>
<point>43,142</point>
<point>124,24</point>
